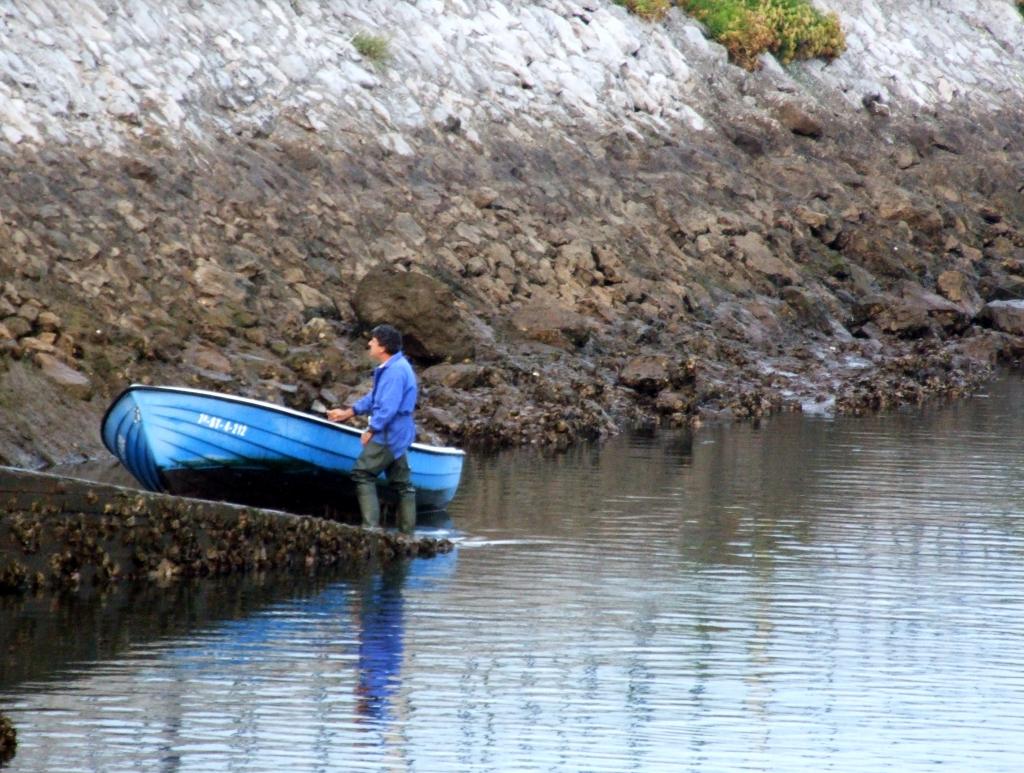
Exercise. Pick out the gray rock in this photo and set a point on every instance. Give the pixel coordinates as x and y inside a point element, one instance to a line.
<point>124,107</point>
<point>17,326</point>
<point>915,312</point>
<point>670,401</point>
<point>409,229</point>
<point>577,255</point>
<point>547,321</point>
<point>64,376</point>
<point>455,376</point>
<point>315,302</point>
<point>1007,316</point>
<point>421,307</point>
<point>432,414</point>
<point>956,288</point>
<point>808,307</point>
<point>758,257</point>
<point>949,316</point>
<point>209,360</point>
<point>648,373</point>
<point>295,67</point>
<point>214,280</point>
<point>798,120</point>
<point>34,344</point>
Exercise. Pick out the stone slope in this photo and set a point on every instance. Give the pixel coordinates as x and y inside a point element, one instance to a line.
<point>579,218</point>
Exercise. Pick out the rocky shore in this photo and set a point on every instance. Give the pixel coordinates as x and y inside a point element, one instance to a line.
<point>64,535</point>
<point>579,219</point>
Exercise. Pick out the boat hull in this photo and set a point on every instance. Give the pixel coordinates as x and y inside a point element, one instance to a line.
<point>203,444</point>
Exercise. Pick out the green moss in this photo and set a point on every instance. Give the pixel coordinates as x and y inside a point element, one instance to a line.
<point>789,29</point>
<point>373,47</point>
<point>652,10</point>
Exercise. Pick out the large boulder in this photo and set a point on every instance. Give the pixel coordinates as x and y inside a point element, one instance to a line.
<point>947,315</point>
<point>1001,287</point>
<point>808,307</point>
<point>1007,316</point>
<point>914,313</point>
<point>547,321</point>
<point>956,288</point>
<point>647,373</point>
<point>461,375</point>
<point>759,258</point>
<point>799,120</point>
<point>422,308</point>
<point>72,381</point>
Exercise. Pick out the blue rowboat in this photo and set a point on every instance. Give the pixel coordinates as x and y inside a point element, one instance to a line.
<point>195,443</point>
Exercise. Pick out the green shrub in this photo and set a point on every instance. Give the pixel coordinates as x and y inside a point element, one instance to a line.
<point>652,10</point>
<point>790,29</point>
<point>373,47</point>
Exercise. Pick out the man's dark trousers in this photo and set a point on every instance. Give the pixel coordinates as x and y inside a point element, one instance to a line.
<point>374,459</point>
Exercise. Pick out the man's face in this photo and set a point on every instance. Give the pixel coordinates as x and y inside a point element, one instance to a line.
<point>376,351</point>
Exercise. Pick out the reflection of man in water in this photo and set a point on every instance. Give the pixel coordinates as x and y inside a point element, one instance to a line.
<point>378,619</point>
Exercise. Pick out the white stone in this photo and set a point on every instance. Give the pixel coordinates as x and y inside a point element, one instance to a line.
<point>560,27</point>
<point>431,7</point>
<point>275,74</point>
<point>171,111</point>
<point>397,144</point>
<point>407,113</point>
<point>601,45</point>
<point>16,121</point>
<point>578,92</point>
<point>78,69</point>
<point>695,119</point>
<point>377,108</point>
<point>295,67</point>
<point>358,76</point>
<point>277,11</point>
<point>945,90</point>
<point>695,38</point>
<point>770,66</point>
<point>333,81</point>
<point>11,134</point>
<point>43,37</point>
<point>145,25</point>
<point>122,105</point>
<point>1005,24</point>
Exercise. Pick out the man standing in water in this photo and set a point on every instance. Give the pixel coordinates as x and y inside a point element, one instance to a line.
<point>391,431</point>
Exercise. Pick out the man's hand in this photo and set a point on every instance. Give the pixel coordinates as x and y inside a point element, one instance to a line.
<point>366,437</point>
<point>340,414</point>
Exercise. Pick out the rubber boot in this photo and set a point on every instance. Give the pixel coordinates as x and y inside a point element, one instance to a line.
<point>407,514</point>
<point>369,505</point>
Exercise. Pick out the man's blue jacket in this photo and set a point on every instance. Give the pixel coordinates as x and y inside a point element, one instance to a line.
<point>391,403</point>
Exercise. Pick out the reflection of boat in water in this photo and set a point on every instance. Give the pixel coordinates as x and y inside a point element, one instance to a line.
<point>236,668</point>
<point>203,444</point>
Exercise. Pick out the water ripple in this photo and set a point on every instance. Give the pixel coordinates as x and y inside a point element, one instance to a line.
<point>804,595</point>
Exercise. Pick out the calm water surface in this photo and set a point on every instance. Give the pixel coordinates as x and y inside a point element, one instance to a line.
<point>805,595</point>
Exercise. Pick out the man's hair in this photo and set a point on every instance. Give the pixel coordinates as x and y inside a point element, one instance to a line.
<point>388,337</point>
